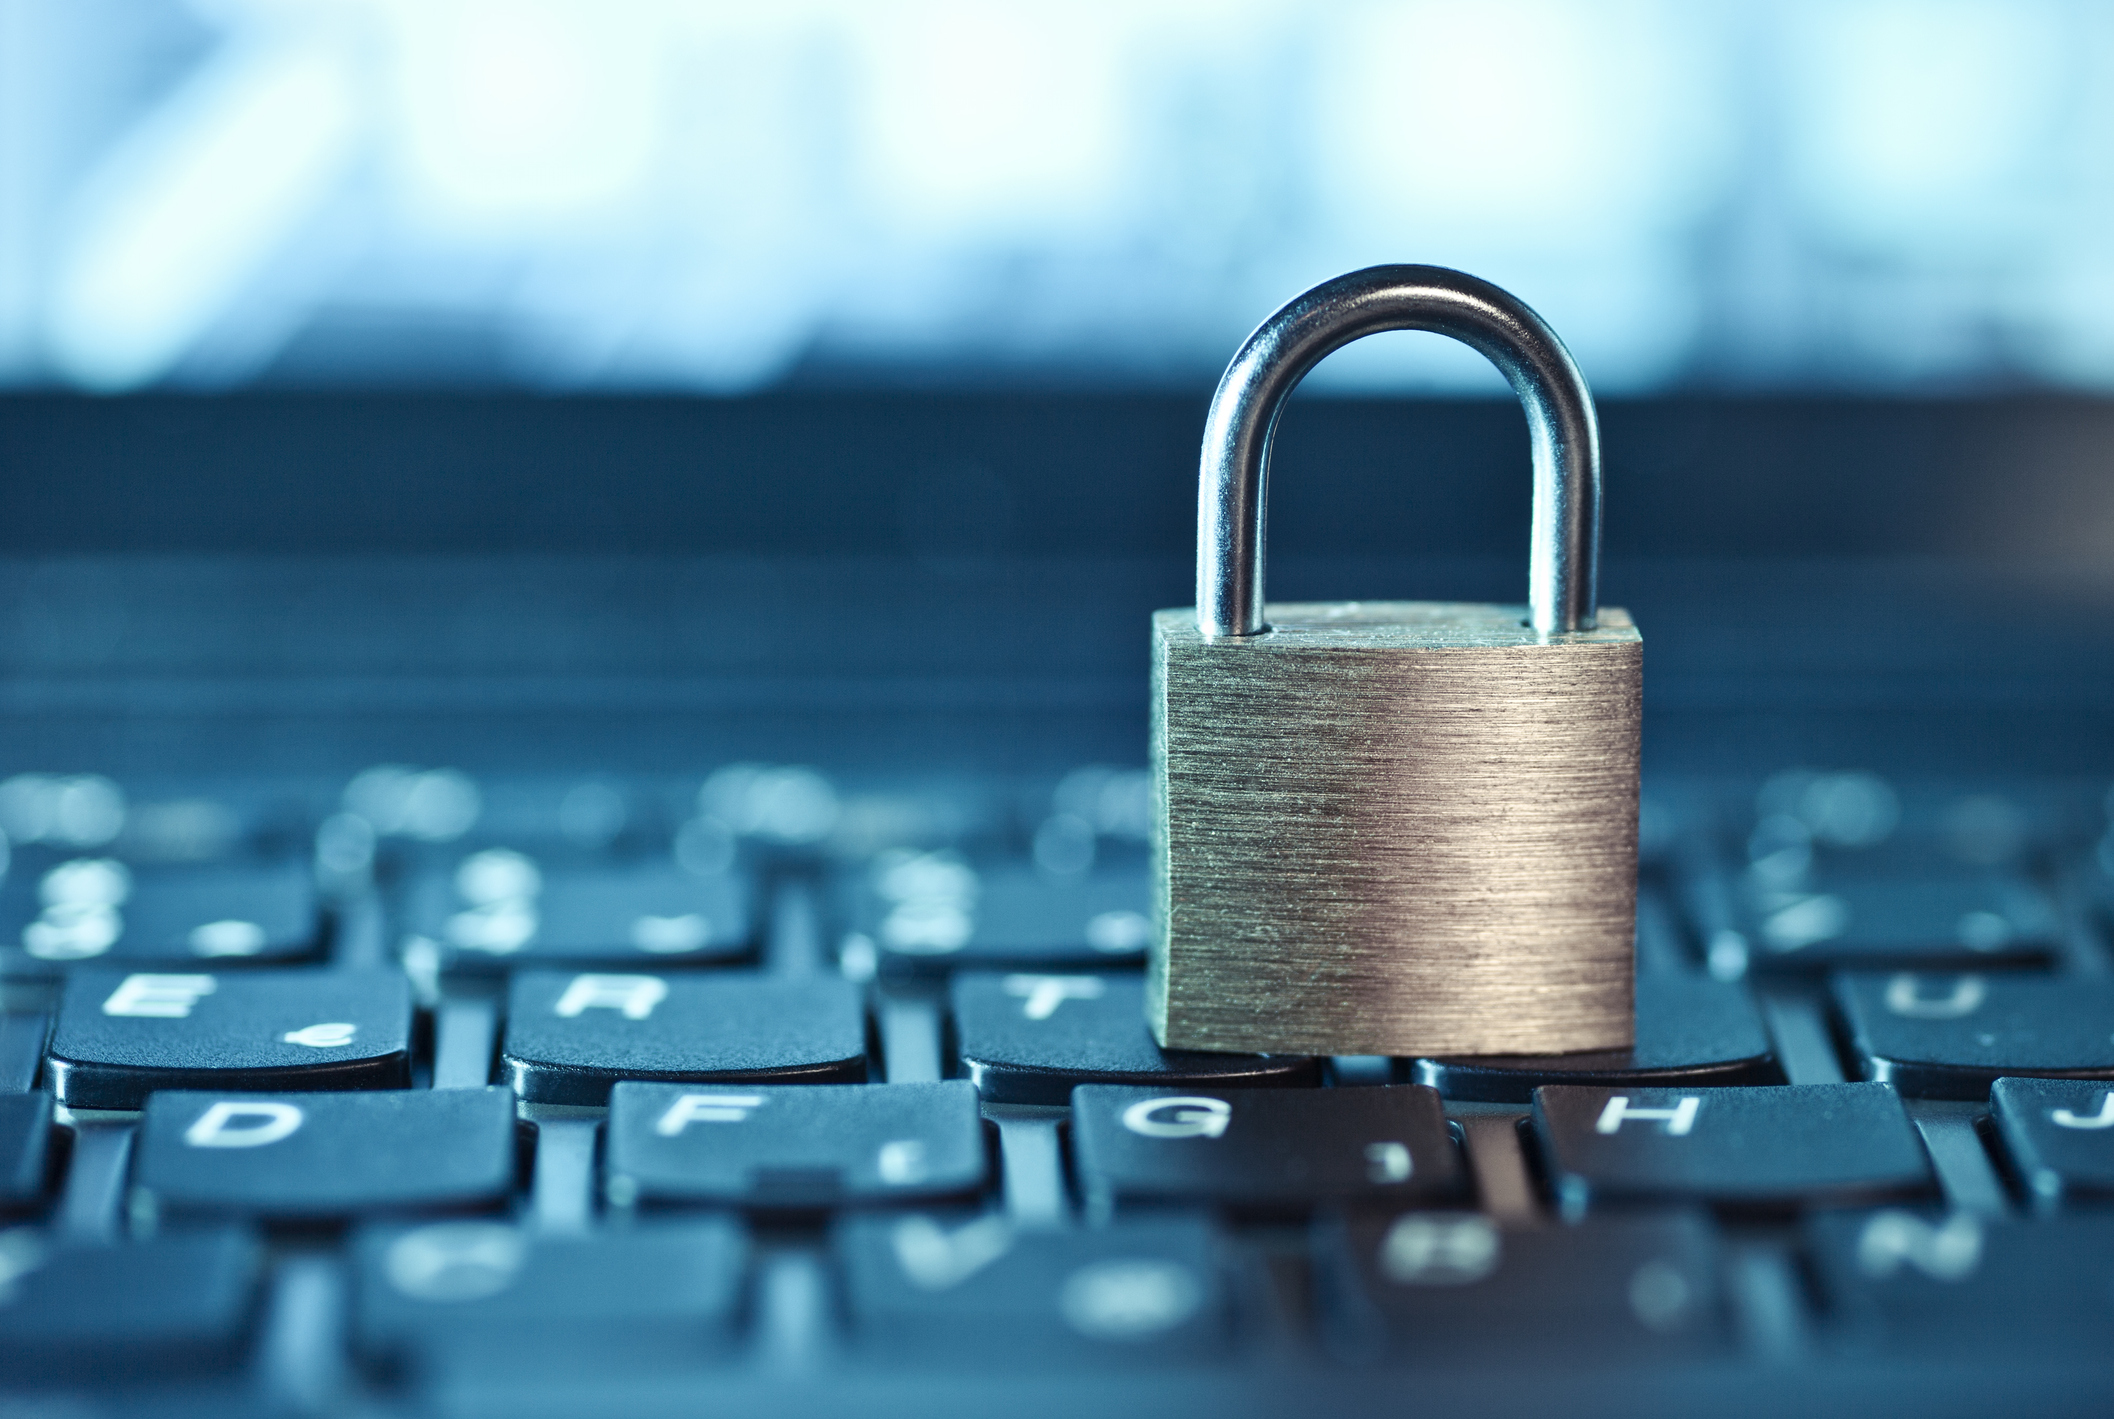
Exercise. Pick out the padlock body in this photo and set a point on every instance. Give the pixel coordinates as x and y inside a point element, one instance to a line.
<point>1400,828</point>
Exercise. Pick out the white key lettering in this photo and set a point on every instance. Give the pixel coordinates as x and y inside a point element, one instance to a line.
<point>1945,1253</point>
<point>1660,1295</point>
<point>149,997</point>
<point>1904,998</point>
<point>936,1260</point>
<point>1678,1119</point>
<point>926,928</point>
<point>1118,933</point>
<point>901,1162</point>
<point>22,1251</point>
<point>1433,1249</point>
<point>1388,1163</point>
<point>706,1108</point>
<point>249,1123</point>
<point>455,1261</point>
<point>1041,995</point>
<point>1128,1298</point>
<point>1178,1117</point>
<point>227,938</point>
<point>634,995</point>
<point>334,1035</point>
<point>2065,1118</point>
<point>670,935</point>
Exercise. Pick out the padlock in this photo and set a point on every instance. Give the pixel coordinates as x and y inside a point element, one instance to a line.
<point>1396,827</point>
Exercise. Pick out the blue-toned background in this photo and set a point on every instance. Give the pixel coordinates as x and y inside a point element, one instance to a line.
<point>649,194</point>
<point>659,384</point>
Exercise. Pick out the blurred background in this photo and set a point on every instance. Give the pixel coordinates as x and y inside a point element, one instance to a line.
<point>698,362</point>
<point>671,195</point>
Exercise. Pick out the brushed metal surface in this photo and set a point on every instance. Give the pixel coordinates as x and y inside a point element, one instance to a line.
<point>1395,828</point>
<point>1563,433</point>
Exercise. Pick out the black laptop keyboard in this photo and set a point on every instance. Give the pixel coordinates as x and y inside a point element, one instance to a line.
<point>422,1092</point>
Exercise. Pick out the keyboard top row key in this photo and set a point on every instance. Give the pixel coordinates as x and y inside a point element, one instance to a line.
<point>499,909</point>
<point>99,909</point>
<point>925,912</point>
<point>1965,921</point>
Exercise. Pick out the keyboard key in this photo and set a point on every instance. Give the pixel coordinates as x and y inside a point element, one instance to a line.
<point>1965,921</point>
<point>121,1036</point>
<point>1739,1147</point>
<point>802,1146</point>
<point>1691,1031</point>
<point>923,1285</point>
<point>175,1305</point>
<point>21,1050</point>
<point>1263,1148</point>
<point>87,909</point>
<point>1951,1036</point>
<point>477,1295</point>
<point>933,911</point>
<point>2060,1134</point>
<point>1436,1285</point>
<point>25,1148</point>
<point>1031,1039</point>
<point>499,907</point>
<point>569,1036</point>
<point>1962,1283</point>
<point>323,1155</point>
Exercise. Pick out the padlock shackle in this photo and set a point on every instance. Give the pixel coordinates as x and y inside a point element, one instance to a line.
<point>1563,565</point>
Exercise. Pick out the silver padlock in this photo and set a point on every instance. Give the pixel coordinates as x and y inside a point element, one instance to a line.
<point>1396,827</point>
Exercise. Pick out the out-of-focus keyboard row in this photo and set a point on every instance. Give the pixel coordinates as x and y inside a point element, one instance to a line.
<point>449,1299</point>
<point>573,1077</point>
<point>1811,872</point>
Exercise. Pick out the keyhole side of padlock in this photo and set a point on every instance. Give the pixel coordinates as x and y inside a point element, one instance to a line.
<point>1563,434</point>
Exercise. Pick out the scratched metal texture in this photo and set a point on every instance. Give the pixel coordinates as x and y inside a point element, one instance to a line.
<point>1398,828</point>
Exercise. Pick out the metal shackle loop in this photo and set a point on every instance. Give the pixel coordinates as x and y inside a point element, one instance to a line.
<point>1563,565</point>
